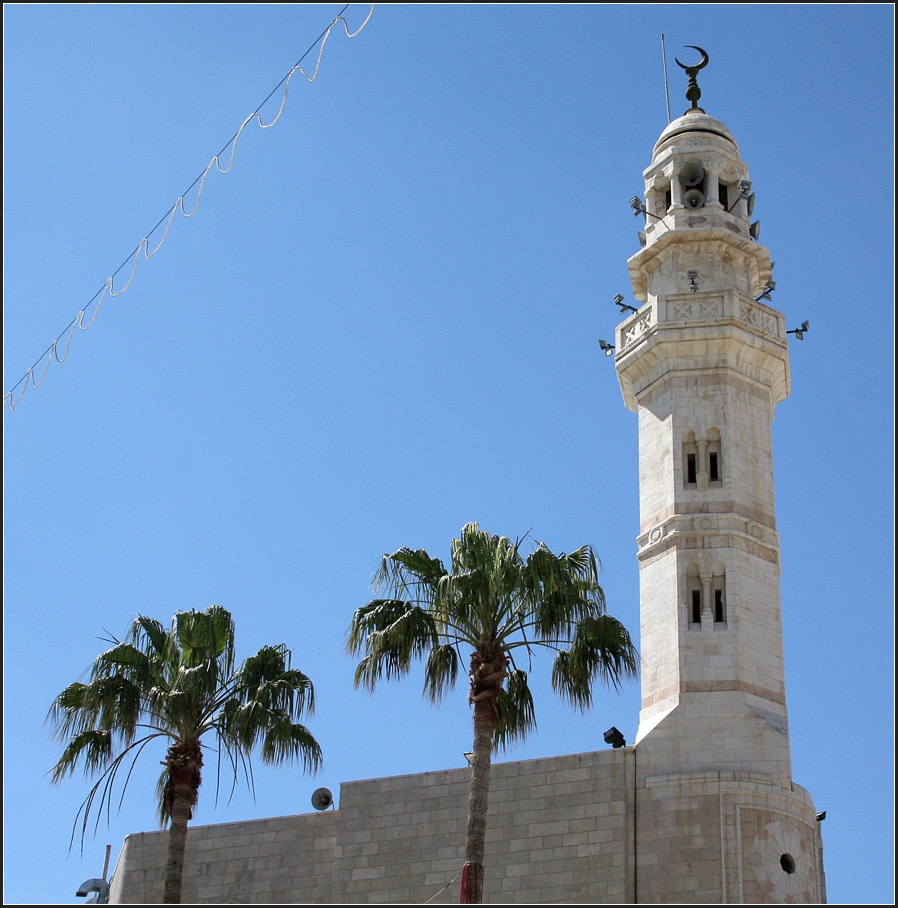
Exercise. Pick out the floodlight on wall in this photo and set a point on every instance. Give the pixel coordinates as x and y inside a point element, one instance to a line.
<point>744,193</point>
<point>614,738</point>
<point>607,348</point>
<point>639,208</point>
<point>469,756</point>
<point>769,287</point>
<point>692,275</point>
<point>800,332</point>
<point>619,301</point>
<point>821,816</point>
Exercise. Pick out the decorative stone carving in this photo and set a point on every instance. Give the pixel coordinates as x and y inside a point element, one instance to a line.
<point>759,319</point>
<point>779,863</point>
<point>634,331</point>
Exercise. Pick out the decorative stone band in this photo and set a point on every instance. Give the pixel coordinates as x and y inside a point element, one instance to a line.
<point>671,692</point>
<point>743,532</point>
<point>701,687</point>
<point>699,309</point>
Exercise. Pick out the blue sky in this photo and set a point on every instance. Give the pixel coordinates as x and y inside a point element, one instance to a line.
<point>382,324</point>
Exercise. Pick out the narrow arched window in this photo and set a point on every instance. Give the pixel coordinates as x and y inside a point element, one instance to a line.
<point>694,597</point>
<point>690,461</point>
<point>715,458</point>
<point>719,597</point>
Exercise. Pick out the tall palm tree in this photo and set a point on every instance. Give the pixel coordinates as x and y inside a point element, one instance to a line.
<point>500,605</point>
<point>178,685</point>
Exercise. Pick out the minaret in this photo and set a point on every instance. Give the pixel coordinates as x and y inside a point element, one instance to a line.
<point>703,363</point>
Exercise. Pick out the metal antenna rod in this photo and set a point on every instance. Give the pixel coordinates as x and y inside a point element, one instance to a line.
<point>666,92</point>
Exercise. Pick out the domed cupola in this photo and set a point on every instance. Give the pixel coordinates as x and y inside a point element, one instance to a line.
<point>697,190</point>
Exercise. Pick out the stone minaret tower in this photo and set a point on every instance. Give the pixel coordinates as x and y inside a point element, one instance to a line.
<point>703,363</point>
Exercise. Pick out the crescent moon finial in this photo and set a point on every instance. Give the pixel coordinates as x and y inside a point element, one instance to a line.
<point>693,92</point>
<point>697,66</point>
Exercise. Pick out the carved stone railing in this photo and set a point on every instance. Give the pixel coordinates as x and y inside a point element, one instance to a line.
<point>700,309</point>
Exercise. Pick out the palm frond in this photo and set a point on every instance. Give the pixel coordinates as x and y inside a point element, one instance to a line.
<point>392,633</point>
<point>408,574</point>
<point>107,703</point>
<point>601,649</point>
<point>440,671</point>
<point>516,714</point>
<point>285,741</point>
<point>149,636</point>
<point>267,677</point>
<point>206,636</point>
<point>91,748</point>
<point>103,787</point>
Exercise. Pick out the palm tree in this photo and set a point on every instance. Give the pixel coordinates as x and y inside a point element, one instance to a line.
<point>500,605</point>
<point>179,685</point>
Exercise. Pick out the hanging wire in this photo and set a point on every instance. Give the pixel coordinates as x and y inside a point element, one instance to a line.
<point>457,875</point>
<point>52,352</point>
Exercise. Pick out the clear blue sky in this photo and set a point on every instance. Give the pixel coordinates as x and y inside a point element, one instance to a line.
<point>383,323</point>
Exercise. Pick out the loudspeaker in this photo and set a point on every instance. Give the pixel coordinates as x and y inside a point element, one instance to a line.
<point>755,230</point>
<point>692,173</point>
<point>322,799</point>
<point>694,198</point>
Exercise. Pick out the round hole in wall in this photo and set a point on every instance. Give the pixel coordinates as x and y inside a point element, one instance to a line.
<point>787,862</point>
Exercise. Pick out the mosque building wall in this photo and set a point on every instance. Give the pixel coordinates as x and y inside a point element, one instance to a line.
<point>584,828</point>
<point>560,830</point>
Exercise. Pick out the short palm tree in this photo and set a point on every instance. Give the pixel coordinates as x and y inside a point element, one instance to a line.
<point>178,685</point>
<point>499,604</point>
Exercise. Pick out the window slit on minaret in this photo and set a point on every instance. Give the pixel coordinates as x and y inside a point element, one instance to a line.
<point>690,461</point>
<point>719,597</point>
<point>696,606</point>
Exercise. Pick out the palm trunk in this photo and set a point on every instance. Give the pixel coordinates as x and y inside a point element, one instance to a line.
<point>487,673</point>
<point>177,845</point>
<point>475,832</point>
<point>184,760</point>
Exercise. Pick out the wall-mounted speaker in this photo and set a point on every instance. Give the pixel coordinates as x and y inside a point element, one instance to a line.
<point>322,799</point>
<point>694,198</point>
<point>691,173</point>
<point>755,230</point>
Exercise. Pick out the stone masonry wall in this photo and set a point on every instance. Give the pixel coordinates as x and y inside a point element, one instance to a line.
<point>557,831</point>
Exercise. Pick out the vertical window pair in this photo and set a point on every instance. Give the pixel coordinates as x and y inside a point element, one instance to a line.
<point>706,592</point>
<point>719,609</point>
<point>702,460</point>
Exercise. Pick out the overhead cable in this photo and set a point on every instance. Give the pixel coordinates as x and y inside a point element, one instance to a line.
<point>52,352</point>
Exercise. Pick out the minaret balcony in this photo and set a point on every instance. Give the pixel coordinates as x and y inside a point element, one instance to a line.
<point>701,332</point>
<point>708,217</point>
<point>721,253</point>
